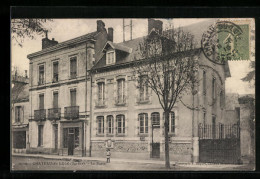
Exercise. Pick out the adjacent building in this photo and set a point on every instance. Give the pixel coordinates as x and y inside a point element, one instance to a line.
<point>20,112</point>
<point>83,92</point>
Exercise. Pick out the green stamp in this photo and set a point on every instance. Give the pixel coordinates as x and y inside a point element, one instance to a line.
<point>226,41</point>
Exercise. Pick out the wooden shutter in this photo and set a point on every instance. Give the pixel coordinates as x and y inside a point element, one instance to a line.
<point>55,99</point>
<point>73,97</point>
<point>41,105</point>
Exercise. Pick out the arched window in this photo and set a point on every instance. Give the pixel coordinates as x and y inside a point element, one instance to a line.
<point>101,93</point>
<point>155,117</point>
<point>100,124</point>
<point>120,120</point>
<point>143,122</point>
<point>110,124</point>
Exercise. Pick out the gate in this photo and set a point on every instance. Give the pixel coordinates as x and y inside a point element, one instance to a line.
<point>155,153</point>
<point>219,143</point>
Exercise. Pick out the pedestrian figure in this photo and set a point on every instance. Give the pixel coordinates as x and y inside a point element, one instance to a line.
<point>108,156</point>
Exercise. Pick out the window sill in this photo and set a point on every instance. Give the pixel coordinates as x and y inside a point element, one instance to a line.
<point>100,106</point>
<point>110,135</point>
<point>120,135</point>
<point>100,135</point>
<point>120,104</point>
<point>143,135</point>
<point>143,102</point>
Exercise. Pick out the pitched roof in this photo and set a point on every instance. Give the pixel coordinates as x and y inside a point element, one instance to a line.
<point>65,44</point>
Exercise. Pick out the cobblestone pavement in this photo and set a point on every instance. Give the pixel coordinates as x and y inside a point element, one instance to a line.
<point>34,163</point>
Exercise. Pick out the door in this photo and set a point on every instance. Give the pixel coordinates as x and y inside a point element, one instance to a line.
<point>70,144</point>
<point>156,150</point>
<point>55,137</point>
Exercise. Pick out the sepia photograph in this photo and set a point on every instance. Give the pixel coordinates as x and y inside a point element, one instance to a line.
<point>128,94</point>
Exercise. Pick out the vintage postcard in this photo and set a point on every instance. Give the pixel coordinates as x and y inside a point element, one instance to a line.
<point>133,94</point>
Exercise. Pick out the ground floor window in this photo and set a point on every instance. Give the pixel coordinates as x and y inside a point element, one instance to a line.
<point>40,135</point>
<point>110,123</point>
<point>155,117</point>
<point>100,124</point>
<point>19,139</point>
<point>143,122</point>
<point>120,124</point>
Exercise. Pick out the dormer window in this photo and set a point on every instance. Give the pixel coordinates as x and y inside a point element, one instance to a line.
<point>110,57</point>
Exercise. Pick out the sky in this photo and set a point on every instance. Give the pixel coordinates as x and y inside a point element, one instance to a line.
<point>65,29</point>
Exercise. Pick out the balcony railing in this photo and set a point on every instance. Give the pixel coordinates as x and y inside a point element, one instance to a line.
<point>40,114</point>
<point>71,112</point>
<point>54,113</point>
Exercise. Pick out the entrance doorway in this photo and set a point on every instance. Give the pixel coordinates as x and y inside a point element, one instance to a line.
<point>55,126</point>
<point>155,141</point>
<point>71,139</point>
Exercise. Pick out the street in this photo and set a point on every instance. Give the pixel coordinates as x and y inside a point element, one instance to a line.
<point>31,163</point>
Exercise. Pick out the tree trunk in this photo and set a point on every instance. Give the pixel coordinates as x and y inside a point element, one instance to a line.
<point>166,139</point>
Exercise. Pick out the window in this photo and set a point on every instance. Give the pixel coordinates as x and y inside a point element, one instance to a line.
<point>40,135</point>
<point>155,117</point>
<point>120,124</point>
<point>213,88</point>
<point>100,124</point>
<point>55,99</point>
<point>71,131</point>
<point>41,75</point>
<point>120,91</point>
<point>110,57</point>
<point>204,82</point>
<point>65,138</point>
<point>110,124</point>
<point>101,93</point>
<point>73,97</point>
<point>73,67</point>
<point>55,72</point>
<point>143,89</point>
<point>143,122</point>
<point>221,103</point>
<point>18,114</point>
<point>204,117</point>
<point>172,122</point>
<point>41,101</point>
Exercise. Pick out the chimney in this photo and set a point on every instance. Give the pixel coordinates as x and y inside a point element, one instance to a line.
<point>100,26</point>
<point>26,74</point>
<point>156,25</point>
<point>47,42</point>
<point>110,34</point>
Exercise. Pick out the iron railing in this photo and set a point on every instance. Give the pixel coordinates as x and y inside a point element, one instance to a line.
<point>54,113</point>
<point>40,114</point>
<point>71,112</point>
<point>220,131</point>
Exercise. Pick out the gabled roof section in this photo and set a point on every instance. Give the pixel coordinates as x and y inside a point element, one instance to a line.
<point>89,36</point>
<point>119,47</point>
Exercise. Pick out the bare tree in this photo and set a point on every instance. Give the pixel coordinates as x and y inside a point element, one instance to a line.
<point>168,66</point>
<point>22,28</point>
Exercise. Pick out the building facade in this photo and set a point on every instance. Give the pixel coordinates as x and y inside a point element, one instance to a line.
<point>83,93</point>
<point>20,113</point>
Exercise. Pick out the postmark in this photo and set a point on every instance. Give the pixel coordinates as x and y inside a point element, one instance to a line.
<point>225,41</point>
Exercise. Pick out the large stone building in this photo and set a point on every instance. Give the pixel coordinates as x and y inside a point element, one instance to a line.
<point>83,92</point>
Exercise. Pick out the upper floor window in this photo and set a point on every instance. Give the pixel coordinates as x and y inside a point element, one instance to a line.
<point>73,97</point>
<point>143,89</point>
<point>55,99</point>
<point>143,121</point>
<point>110,57</point>
<point>121,91</point>
<point>110,124</point>
<point>120,124</point>
<point>18,114</point>
<point>100,124</point>
<point>55,71</point>
<point>41,101</point>
<point>204,82</point>
<point>41,75</point>
<point>73,67</point>
<point>204,117</point>
<point>155,117</point>
<point>213,88</point>
<point>101,93</point>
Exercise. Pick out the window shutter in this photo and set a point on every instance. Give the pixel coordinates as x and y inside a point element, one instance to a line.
<point>16,114</point>
<point>22,114</point>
